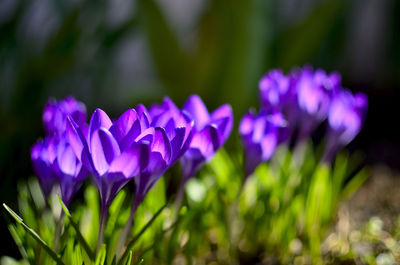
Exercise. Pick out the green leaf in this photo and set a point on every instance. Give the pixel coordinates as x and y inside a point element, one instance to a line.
<point>80,238</point>
<point>64,207</point>
<point>13,214</point>
<point>133,241</point>
<point>52,254</point>
<point>129,261</point>
<point>101,256</point>
<point>353,185</point>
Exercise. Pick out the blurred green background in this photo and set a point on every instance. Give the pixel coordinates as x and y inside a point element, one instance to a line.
<point>114,54</point>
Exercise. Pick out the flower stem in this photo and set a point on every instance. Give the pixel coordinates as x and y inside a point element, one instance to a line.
<point>103,217</point>
<point>58,231</point>
<point>179,197</point>
<point>124,234</point>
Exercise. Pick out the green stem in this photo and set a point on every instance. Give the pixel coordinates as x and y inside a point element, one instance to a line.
<point>133,241</point>
<point>103,217</point>
<point>58,231</point>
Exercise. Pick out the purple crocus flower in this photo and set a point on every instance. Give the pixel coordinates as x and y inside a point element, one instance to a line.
<point>69,169</point>
<point>159,157</point>
<point>54,162</point>
<point>117,152</point>
<point>345,119</point>
<point>211,132</point>
<point>274,90</point>
<point>55,114</point>
<point>177,124</point>
<point>43,154</point>
<point>109,150</point>
<point>314,91</point>
<point>260,134</point>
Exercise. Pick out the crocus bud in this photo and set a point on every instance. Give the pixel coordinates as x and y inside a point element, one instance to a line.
<point>211,132</point>
<point>43,154</point>
<point>261,134</point>
<point>55,114</point>
<point>274,90</point>
<point>314,91</point>
<point>177,125</point>
<point>346,115</point>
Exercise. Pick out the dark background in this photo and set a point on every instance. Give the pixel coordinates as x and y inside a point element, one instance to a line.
<point>114,54</point>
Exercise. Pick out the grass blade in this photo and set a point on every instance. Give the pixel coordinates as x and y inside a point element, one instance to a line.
<point>133,241</point>
<point>51,253</point>
<point>101,256</point>
<point>79,235</point>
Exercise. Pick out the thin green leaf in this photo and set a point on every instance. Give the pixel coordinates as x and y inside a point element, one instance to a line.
<point>129,261</point>
<point>101,256</point>
<point>79,235</point>
<point>133,241</point>
<point>355,183</point>
<point>52,254</point>
<point>13,214</point>
<point>64,207</point>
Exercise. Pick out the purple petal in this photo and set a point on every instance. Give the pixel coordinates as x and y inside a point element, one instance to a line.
<point>253,155</point>
<point>150,175</point>
<point>98,119</point>
<point>79,144</point>
<point>246,124</point>
<point>191,162</point>
<point>76,142</point>
<point>177,143</point>
<point>146,136</point>
<point>104,148</point>
<point>207,141</point>
<point>144,116</point>
<point>197,111</point>
<point>66,159</point>
<point>123,124</point>
<point>223,117</point>
<point>268,145</point>
<point>161,144</point>
<point>128,163</point>
<point>126,129</point>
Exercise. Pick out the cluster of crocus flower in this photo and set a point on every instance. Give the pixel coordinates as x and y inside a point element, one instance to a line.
<point>141,144</point>
<point>296,104</point>
<point>53,159</point>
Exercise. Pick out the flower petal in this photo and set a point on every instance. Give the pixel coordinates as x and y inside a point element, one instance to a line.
<point>104,148</point>
<point>223,117</point>
<point>123,124</point>
<point>98,119</point>
<point>66,159</point>
<point>207,141</point>
<point>161,144</point>
<point>246,124</point>
<point>128,163</point>
<point>197,111</point>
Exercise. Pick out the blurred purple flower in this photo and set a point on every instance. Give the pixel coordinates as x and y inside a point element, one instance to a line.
<point>55,114</point>
<point>261,134</point>
<point>211,132</point>
<point>346,115</point>
<point>314,91</point>
<point>274,90</point>
<point>43,154</point>
<point>69,169</point>
<point>55,162</point>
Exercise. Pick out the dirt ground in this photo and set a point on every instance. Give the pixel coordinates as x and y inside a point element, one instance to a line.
<point>378,196</point>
